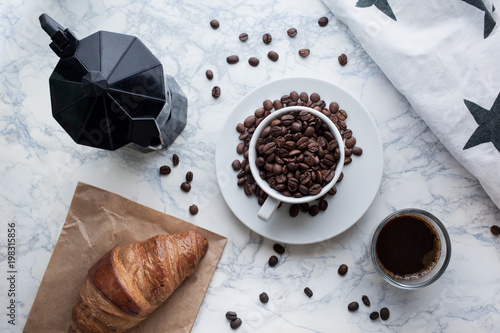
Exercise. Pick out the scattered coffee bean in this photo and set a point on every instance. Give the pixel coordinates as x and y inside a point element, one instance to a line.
<point>267,38</point>
<point>308,291</point>
<point>175,159</point>
<point>254,62</point>
<point>193,209</point>
<point>264,298</point>
<point>231,315</point>
<point>216,92</point>
<point>235,323</point>
<point>323,21</point>
<point>236,165</point>
<point>353,306</point>
<point>273,56</point>
<point>232,59</point>
<point>304,52</point>
<point>214,24</point>
<point>342,59</point>
<point>314,210</point>
<point>495,230</point>
<point>323,204</point>
<point>165,170</point>
<point>342,269</point>
<point>209,74</point>
<point>384,313</point>
<point>240,149</point>
<point>189,176</point>
<point>280,249</point>
<point>273,261</point>
<point>374,315</point>
<point>357,151</point>
<point>243,37</point>
<point>294,210</point>
<point>240,128</point>
<point>186,187</point>
<point>366,300</point>
<point>292,32</point>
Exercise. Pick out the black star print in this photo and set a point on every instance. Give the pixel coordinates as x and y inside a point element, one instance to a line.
<point>383,5</point>
<point>489,22</point>
<point>489,124</point>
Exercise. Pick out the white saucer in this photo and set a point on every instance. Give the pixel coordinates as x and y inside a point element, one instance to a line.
<point>355,192</point>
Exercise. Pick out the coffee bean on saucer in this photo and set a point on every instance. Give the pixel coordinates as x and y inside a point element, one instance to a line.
<point>308,291</point>
<point>304,207</point>
<point>267,38</point>
<point>342,59</point>
<point>240,148</point>
<point>342,269</point>
<point>254,62</point>
<point>323,21</point>
<point>294,210</point>
<point>193,209</point>
<point>280,249</point>
<point>495,230</point>
<point>357,151</point>
<point>384,313</point>
<point>314,210</point>
<point>264,298</point>
<point>235,323</point>
<point>165,170</point>
<point>353,306</point>
<point>243,37</point>
<point>366,300</point>
<point>374,315</point>
<point>236,165</point>
<point>209,74</point>
<point>175,159</point>
<point>273,56</point>
<point>216,92</point>
<point>231,315</point>
<point>323,204</point>
<point>273,261</point>
<point>214,24</point>
<point>189,176</point>
<point>232,59</point>
<point>304,52</point>
<point>240,128</point>
<point>186,187</point>
<point>292,32</point>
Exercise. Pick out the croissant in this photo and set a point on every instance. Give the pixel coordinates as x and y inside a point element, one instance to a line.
<point>129,282</point>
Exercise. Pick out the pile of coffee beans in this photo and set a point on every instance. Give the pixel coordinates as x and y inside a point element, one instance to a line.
<point>234,319</point>
<point>298,162</point>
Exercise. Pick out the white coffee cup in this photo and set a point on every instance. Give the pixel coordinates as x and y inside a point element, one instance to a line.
<point>275,197</point>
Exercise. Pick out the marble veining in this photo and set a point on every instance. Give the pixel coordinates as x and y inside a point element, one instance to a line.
<point>40,166</point>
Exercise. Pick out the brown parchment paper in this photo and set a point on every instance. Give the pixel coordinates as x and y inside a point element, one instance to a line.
<point>97,221</point>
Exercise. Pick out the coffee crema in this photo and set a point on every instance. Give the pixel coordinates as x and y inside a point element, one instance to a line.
<point>408,247</point>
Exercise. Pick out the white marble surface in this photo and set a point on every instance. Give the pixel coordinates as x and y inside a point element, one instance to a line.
<point>40,167</point>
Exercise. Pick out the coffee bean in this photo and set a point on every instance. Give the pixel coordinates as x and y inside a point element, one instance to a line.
<point>292,32</point>
<point>232,59</point>
<point>351,142</point>
<point>235,323</point>
<point>273,261</point>
<point>280,249</point>
<point>209,74</point>
<point>236,165</point>
<point>175,159</point>
<point>254,62</point>
<point>231,315</point>
<point>323,21</point>
<point>323,204</point>
<point>165,170</point>
<point>193,209</point>
<point>240,149</point>
<point>249,121</point>
<point>273,56</point>
<point>343,269</point>
<point>315,97</point>
<point>186,187</point>
<point>342,59</point>
<point>268,105</point>
<point>308,291</point>
<point>374,315</point>
<point>247,188</point>
<point>294,96</point>
<point>304,97</point>
<point>294,210</point>
<point>304,52</point>
<point>353,306</point>
<point>216,92</point>
<point>240,128</point>
<point>357,151</point>
<point>304,207</point>
<point>314,210</point>
<point>495,230</point>
<point>366,300</point>
<point>243,37</point>
<point>267,38</point>
<point>384,313</point>
<point>264,298</point>
<point>214,24</point>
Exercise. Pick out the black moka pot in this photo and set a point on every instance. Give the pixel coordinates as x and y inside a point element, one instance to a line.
<point>109,90</point>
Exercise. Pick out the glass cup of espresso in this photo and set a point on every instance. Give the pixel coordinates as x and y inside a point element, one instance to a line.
<point>411,248</point>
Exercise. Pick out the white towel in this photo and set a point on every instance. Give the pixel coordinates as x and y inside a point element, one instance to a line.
<point>444,56</point>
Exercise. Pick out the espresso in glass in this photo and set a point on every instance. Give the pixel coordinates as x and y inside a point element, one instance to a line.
<point>407,247</point>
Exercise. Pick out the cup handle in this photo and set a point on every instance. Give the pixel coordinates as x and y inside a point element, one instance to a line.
<point>268,208</point>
